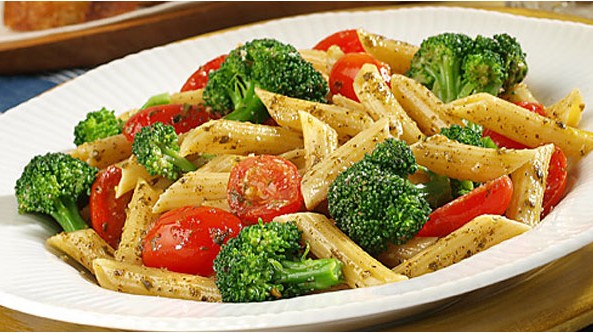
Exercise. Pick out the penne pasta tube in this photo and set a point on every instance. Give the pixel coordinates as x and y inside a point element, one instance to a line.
<point>139,218</point>
<point>397,254</point>
<point>193,97</point>
<point>377,98</point>
<point>529,185</point>
<point>317,180</point>
<point>422,105</point>
<point>519,93</point>
<point>221,163</point>
<point>459,161</point>
<point>296,156</point>
<point>141,280</point>
<point>322,61</point>
<point>345,102</point>
<point>522,125</point>
<point>327,241</point>
<point>320,139</point>
<point>477,235</point>
<point>192,189</point>
<point>83,246</point>
<point>569,109</point>
<point>131,171</point>
<point>397,54</point>
<point>285,111</point>
<point>242,138</point>
<point>104,152</point>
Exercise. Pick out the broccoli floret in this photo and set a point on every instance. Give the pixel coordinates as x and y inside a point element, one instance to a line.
<point>471,134</point>
<point>262,63</point>
<point>97,125</point>
<point>52,184</point>
<point>454,65</point>
<point>266,262</point>
<point>375,204</point>
<point>157,148</point>
<point>514,57</point>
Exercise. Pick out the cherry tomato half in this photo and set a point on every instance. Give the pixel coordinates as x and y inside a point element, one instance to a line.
<point>492,197</point>
<point>187,239</point>
<point>182,117</point>
<point>264,186</point>
<point>199,78</point>
<point>345,69</point>
<point>108,214</point>
<point>347,40</point>
<point>556,181</point>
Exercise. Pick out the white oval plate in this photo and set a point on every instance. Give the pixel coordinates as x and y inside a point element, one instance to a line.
<point>35,281</point>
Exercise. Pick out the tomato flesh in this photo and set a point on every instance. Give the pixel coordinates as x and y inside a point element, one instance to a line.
<point>492,197</point>
<point>108,214</point>
<point>199,78</point>
<point>182,117</point>
<point>187,239</point>
<point>264,186</point>
<point>345,69</point>
<point>346,40</point>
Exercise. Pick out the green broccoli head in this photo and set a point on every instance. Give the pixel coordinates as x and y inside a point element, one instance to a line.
<point>437,63</point>
<point>97,125</point>
<point>514,59</point>
<point>262,63</point>
<point>157,148</point>
<point>454,65</point>
<point>374,203</point>
<point>265,262</point>
<point>52,184</point>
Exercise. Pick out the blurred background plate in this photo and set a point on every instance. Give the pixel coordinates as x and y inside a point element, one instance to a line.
<point>96,42</point>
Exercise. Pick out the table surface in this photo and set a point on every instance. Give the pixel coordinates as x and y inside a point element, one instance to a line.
<point>542,303</point>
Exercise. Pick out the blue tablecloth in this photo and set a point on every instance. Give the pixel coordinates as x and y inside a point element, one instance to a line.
<point>16,89</point>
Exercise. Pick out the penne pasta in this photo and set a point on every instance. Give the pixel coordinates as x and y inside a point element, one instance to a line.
<point>476,236</point>
<point>285,111</point>
<point>241,138</point>
<point>568,110</point>
<point>83,246</point>
<point>327,241</point>
<point>139,218</point>
<point>422,105</point>
<point>519,93</point>
<point>221,163</point>
<point>396,54</point>
<point>459,161</point>
<point>316,180</point>
<point>104,152</point>
<point>193,97</point>
<point>131,172</point>
<point>320,139</point>
<point>529,185</point>
<point>522,125</point>
<point>397,254</point>
<point>192,189</point>
<point>141,280</point>
<point>377,98</point>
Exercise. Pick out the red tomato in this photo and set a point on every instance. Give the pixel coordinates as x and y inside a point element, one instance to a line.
<point>492,197</point>
<point>181,116</point>
<point>556,181</point>
<point>108,214</point>
<point>557,172</point>
<point>345,69</point>
<point>264,186</point>
<point>187,239</point>
<point>347,40</point>
<point>199,78</point>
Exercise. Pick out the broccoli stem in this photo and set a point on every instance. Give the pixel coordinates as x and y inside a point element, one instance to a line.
<point>178,160</point>
<point>437,191</point>
<point>67,214</point>
<point>160,99</point>
<point>318,274</point>
<point>248,107</point>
